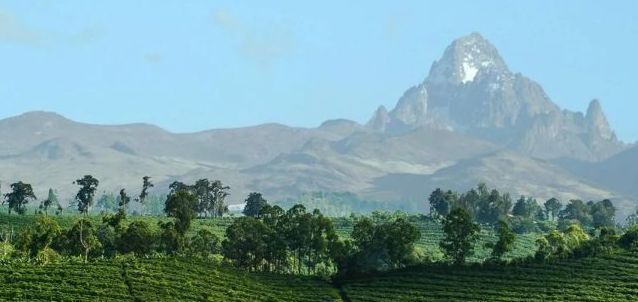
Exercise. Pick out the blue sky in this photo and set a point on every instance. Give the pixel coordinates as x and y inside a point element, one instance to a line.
<point>195,65</point>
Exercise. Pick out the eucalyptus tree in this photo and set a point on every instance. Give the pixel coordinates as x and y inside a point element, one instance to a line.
<point>146,185</point>
<point>84,198</point>
<point>19,196</point>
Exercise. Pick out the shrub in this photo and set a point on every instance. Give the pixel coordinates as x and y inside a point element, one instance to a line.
<point>47,256</point>
<point>629,240</point>
<point>138,239</point>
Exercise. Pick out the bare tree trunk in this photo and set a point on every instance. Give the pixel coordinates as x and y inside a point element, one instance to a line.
<point>84,244</point>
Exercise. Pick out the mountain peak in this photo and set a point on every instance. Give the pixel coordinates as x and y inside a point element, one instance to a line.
<point>594,108</point>
<point>464,59</point>
<point>41,115</point>
<point>597,120</point>
<point>380,119</point>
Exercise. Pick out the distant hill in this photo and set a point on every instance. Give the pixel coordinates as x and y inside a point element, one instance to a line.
<point>471,120</point>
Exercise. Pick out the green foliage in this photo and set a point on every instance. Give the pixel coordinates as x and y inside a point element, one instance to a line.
<point>590,214</point>
<point>505,241</point>
<point>19,196</point>
<point>441,202</point>
<point>6,250</point>
<point>81,240</point>
<point>181,206</point>
<point>170,241</point>
<point>602,213</point>
<point>84,198</point>
<point>194,279</point>
<point>603,244</point>
<point>52,200</point>
<point>553,207</point>
<point>522,225</point>
<point>146,185</point>
<point>293,241</point>
<point>138,238</point>
<point>576,210</point>
<point>527,208</point>
<point>629,240</point>
<point>47,256</point>
<point>107,203</point>
<point>383,245</point>
<point>607,278</point>
<point>460,235</point>
<point>254,203</point>
<point>154,205</point>
<point>211,197</point>
<point>484,205</point>
<point>561,245</point>
<point>39,237</point>
<point>246,243</point>
<point>204,243</point>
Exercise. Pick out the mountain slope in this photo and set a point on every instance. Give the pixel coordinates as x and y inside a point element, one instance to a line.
<point>471,120</point>
<point>618,173</point>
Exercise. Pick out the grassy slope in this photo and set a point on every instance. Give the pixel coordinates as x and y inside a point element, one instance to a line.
<point>610,278</point>
<point>191,280</point>
<point>170,279</point>
<point>63,282</point>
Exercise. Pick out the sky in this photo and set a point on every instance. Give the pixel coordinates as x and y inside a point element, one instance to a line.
<point>194,65</point>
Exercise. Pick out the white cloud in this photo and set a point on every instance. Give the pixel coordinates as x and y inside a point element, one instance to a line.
<point>264,45</point>
<point>12,30</point>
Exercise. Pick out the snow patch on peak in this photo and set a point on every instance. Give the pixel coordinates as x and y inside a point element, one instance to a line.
<point>469,72</point>
<point>470,66</point>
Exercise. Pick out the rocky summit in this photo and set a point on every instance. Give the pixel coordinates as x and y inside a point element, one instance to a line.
<point>472,91</point>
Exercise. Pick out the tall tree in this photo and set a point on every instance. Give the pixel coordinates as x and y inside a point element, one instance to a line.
<point>146,185</point>
<point>210,197</point>
<point>203,192</point>
<point>526,207</point>
<point>246,243</point>
<point>254,204</point>
<point>492,206</point>
<point>460,234</point>
<point>181,206</point>
<point>441,202</point>
<point>123,200</point>
<point>505,240</point>
<point>219,194</point>
<point>385,245</point>
<point>107,202</point>
<point>603,213</point>
<point>19,196</point>
<point>88,185</point>
<point>553,207</point>
<point>52,199</point>
<point>576,210</point>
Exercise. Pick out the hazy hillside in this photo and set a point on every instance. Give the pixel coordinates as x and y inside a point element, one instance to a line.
<point>618,173</point>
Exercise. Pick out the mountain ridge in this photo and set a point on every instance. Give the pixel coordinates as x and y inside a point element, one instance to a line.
<point>470,120</point>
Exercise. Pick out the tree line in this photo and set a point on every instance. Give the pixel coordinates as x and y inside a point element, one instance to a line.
<point>526,214</point>
<point>298,241</point>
